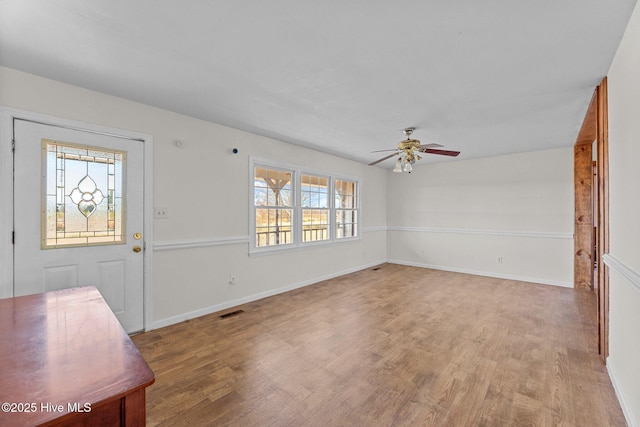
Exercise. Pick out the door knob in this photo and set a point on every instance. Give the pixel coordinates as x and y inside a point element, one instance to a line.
<point>137,249</point>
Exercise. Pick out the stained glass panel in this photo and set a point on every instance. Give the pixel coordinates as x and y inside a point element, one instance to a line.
<point>83,199</point>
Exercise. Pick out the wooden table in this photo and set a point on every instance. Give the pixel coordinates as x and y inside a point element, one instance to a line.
<point>65,360</point>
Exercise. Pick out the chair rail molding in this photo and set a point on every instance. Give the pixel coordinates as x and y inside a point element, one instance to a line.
<point>615,264</point>
<point>221,241</point>
<point>513,233</point>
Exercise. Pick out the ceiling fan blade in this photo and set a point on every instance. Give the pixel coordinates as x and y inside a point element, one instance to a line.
<point>383,159</point>
<point>440,152</point>
<point>391,149</point>
<point>432,145</point>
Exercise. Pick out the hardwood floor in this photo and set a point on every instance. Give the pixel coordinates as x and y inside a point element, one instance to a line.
<point>394,346</point>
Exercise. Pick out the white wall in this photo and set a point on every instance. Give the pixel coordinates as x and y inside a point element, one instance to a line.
<point>624,256</point>
<point>205,188</point>
<point>464,215</point>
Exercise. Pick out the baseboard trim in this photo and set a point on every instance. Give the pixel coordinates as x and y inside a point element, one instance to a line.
<point>250,298</point>
<point>628,415</point>
<point>537,280</point>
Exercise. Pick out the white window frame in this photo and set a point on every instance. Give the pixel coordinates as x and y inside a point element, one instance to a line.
<point>356,208</point>
<point>296,232</point>
<point>252,215</point>
<point>330,203</point>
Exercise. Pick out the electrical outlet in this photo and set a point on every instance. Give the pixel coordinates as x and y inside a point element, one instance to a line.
<point>232,280</point>
<point>161,213</point>
<point>499,260</point>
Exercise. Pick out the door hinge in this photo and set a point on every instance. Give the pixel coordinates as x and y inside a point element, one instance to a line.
<point>13,237</point>
<point>13,145</point>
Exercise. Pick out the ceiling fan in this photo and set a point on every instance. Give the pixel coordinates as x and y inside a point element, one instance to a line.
<point>407,152</point>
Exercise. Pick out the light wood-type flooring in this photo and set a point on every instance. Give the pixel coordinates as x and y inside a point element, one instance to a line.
<point>388,346</point>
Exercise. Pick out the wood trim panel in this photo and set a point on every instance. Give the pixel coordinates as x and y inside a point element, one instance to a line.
<point>595,127</point>
<point>589,129</point>
<point>603,218</point>
<point>583,234</point>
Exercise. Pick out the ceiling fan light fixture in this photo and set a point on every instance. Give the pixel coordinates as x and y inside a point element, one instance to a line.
<point>408,152</point>
<point>398,168</point>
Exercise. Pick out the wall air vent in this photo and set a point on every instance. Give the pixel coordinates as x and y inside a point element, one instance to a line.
<point>231,313</point>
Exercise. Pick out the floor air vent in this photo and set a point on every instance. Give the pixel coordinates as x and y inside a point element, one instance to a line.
<point>232,313</point>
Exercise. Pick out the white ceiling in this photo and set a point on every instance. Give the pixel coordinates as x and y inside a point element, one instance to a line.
<point>345,77</point>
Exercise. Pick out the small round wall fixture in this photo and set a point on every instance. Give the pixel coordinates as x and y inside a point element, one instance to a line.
<point>234,151</point>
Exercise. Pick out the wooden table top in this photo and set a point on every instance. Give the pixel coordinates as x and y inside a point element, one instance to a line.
<point>60,349</point>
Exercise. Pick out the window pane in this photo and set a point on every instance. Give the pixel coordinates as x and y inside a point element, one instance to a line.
<point>345,194</point>
<point>273,198</point>
<point>84,195</point>
<point>272,187</point>
<point>346,209</point>
<point>260,196</point>
<point>273,226</point>
<point>314,191</point>
<point>346,224</point>
<point>284,198</point>
<point>315,225</point>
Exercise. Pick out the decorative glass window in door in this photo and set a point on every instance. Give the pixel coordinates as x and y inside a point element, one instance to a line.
<point>83,202</point>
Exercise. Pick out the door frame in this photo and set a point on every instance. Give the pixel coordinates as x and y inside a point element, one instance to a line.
<point>603,217</point>
<point>595,127</point>
<point>7,117</point>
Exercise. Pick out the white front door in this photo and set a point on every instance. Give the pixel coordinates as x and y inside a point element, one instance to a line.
<point>78,215</point>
